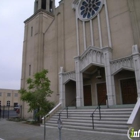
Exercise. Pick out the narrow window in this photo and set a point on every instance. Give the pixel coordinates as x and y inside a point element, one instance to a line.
<point>43,6</point>
<point>0,103</point>
<point>8,103</point>
<point>0,94</point>
<point>29,70</point>
<point>36,6</point>
<point>8,94</point>
<point>31,31</point>
<point>51,5</point>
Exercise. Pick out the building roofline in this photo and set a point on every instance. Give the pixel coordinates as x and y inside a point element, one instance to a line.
<point>39,11</point>
<point>8,89</point>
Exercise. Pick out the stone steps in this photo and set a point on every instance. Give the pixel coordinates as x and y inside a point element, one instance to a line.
<point>112,120</point>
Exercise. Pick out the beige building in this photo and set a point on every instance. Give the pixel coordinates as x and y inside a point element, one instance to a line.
<point>9,97</point>
<point>90,48</point>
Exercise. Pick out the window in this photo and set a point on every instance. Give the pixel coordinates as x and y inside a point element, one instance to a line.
<point>29,70</point>
<point>0,103</point>
<point>36,6</point>
<point>16,94</point>
<point>51,5</point>
<point>0,94</point>
<point>43,4</point>
<point>88,9</point>
<point>31,31</point>
<point>8,94</point>
<point>8,103</point>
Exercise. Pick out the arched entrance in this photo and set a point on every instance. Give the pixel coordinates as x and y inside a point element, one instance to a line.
<point>128,91</point>
<point>125,86</point>
<point>70,93</point>
<point>94,86</point>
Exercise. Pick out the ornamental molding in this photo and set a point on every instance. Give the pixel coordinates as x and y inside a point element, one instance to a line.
<point>92,56</point>
<point>90,49</point>
<point>122,63</point>
<point>68,76</point>
<point>75,4</point>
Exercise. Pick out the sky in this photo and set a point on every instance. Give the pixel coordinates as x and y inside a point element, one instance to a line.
<point>13,13</point>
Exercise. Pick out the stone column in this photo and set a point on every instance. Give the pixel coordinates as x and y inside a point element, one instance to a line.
<point>61,88</point>
<point>136,62</point>
<point>79,83</point>
<point>109,78</point>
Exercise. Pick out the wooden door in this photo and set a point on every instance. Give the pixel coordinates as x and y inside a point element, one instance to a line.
<point>101,91</point>
<point>87,95</point>
<point>129,91</point>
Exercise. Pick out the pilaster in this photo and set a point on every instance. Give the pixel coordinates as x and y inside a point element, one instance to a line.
<point>136,61</point>
<point>79,83</point>
<point>61,88</point>
<point>107,51</point>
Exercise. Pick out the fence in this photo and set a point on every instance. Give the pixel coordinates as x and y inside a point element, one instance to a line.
<point>10,111</point>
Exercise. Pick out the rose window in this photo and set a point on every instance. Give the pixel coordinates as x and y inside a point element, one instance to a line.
<point>89,8</point>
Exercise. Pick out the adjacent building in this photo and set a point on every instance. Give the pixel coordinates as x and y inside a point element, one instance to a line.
<point>9,97</point>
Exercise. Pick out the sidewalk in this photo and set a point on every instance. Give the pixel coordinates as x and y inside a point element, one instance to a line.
<point>20,131</point>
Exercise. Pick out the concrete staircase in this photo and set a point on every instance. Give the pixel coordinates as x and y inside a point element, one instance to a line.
<point>113,119</point>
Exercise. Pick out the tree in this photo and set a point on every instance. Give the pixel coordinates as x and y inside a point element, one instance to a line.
<point>38,89</point>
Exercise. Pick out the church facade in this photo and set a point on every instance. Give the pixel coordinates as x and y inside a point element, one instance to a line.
<point>90,48</point>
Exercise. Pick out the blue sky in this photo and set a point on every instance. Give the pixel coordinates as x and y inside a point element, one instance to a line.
<point>13,13</point>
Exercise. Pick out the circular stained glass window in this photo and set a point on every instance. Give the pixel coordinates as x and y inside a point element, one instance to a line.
<point>89,8</point>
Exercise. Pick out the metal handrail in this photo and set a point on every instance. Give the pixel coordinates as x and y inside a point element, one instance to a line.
<point>98,107</point>
<point>66,109</point>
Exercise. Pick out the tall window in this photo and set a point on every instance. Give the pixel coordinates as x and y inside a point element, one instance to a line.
<point>29,70</point>
<point>0,94</point>
<point>51,5</point>
<point>8,94</point>
<point>0,103</point>
<point>8,103</point>
<point>43,6</point>
<point>36,6</point>
<point>31,31</point>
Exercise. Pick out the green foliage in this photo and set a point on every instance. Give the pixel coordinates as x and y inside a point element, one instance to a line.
<point>38,90</point>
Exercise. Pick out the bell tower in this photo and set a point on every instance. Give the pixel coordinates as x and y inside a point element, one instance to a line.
<point>48,5</point>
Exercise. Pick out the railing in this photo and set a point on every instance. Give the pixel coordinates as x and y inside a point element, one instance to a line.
<point>49,115</point>
<point>67,108</point>
<point>98,107</point>
<point>10,111</point>
<point>52,112</point>
<point>133,120</point>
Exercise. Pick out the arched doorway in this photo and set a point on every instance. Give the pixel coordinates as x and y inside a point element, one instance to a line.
<point>125,86</point>
<point>128,91</point>
<point>70,93</point>
<point>94,86</point>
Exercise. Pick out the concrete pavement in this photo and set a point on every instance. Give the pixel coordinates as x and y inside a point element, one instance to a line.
<point>20,131</point>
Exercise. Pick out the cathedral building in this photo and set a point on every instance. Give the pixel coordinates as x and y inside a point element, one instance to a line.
<point>90,48</point>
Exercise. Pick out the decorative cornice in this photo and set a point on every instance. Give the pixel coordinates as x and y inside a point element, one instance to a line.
<point>91,48</point>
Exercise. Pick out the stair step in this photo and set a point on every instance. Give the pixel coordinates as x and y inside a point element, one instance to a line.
<point>90,125</point>
<point>113,120</point>
<point>123,131</point>
<point>89,121</point>
<point>96,115</point>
